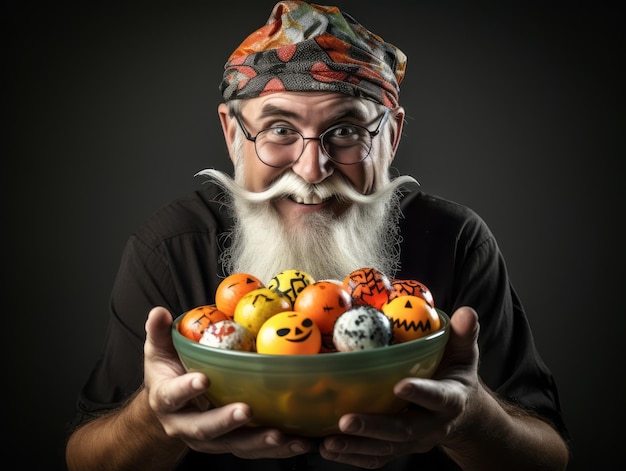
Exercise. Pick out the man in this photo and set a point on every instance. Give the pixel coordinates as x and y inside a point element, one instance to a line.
<point>312,121</point>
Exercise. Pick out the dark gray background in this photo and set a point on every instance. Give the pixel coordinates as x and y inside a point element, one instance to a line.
<point>512,108</point>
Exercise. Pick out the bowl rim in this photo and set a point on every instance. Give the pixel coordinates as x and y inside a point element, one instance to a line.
<point>364,356</point>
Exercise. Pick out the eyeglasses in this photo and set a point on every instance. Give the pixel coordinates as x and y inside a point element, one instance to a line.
<point>281,146</point>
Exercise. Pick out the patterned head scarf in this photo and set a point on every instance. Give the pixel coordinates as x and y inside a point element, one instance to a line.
<point>308,47</point>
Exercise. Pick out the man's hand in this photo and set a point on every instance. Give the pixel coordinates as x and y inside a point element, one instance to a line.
<point>177,398</point>
<point>436,407</point>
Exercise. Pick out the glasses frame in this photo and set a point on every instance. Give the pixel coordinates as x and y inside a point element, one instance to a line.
<point>248,135</point>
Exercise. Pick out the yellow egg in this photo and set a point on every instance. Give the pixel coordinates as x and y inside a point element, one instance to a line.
<point>258,305</point>
<point>290,283</point>
<point>289,333</point>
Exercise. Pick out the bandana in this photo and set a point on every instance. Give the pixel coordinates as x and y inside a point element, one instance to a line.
<point>306,47</point>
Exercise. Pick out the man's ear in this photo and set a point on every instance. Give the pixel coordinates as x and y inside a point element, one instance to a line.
<point>396,134</point>
<point>229,128</point>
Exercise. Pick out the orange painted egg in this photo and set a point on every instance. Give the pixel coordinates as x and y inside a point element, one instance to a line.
<point>411,288</point>
<point>196,320</point>
<point>231,290</point>
<point>323,301</point>
<point>367,286</point>
<point>289,333</point>
<point>412,317</point>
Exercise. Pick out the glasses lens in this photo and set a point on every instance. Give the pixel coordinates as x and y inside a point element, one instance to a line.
<point>278,147</point>
<point>347,144</point>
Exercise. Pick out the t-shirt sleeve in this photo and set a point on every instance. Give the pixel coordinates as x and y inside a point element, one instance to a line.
<point>510,363</point>
<point>172,261</point>
<point>452,250</point>
<point>118,372</point>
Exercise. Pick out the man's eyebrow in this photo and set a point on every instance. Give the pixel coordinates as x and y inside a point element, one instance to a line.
<point>352,113</point>
<point>271,110</point>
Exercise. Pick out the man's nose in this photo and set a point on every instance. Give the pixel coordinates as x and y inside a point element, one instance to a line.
<point>313,165</point>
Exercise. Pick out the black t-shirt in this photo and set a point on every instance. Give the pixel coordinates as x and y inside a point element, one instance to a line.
<point>172,261</point>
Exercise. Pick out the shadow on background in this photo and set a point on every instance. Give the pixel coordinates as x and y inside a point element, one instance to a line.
<point>512,109</point>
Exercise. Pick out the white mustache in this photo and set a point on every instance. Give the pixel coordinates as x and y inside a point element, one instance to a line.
<point>291,185</point>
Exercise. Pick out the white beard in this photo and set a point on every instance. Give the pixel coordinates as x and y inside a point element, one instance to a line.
<point>324,245</point>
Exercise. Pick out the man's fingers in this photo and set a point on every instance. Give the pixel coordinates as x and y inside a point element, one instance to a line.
<point>158,327</point>
<point>462,348</point>
<point>464,325</point>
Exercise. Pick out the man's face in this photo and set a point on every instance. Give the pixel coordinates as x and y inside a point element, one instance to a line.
<point>312,215</point>
<point>311,114</point>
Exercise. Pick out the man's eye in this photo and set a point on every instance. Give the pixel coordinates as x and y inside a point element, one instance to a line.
<point>281,131</point>
<point>278,135</point>
<point>343,131</point>
<point>345,135</point>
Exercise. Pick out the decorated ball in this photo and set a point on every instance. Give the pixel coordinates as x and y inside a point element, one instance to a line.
<point>412,317</point>
<point>324,301</point>
<point>290,283</point>
<point>229,335</point>
<point>411,288</point>
<point>232,289</point>
<point>362,328</point>
<point>289,333</point>
<point>196,320</point>
<point>255,307</point>
<point>368,286</point>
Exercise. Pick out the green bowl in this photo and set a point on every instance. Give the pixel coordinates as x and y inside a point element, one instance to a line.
<point>307,394</point>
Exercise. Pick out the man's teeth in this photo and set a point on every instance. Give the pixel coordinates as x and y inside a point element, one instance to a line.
<point>309,199</point>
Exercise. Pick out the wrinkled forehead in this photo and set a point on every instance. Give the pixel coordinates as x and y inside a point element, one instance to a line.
<point>309,103</point>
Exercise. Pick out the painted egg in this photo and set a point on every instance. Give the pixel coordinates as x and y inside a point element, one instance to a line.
<point>289,333</point>
<point>232,289</point>
<point>257,306</point>
<point>367,286</point>
<point>411,288</point>
<point>362,328</point>
<point>412,317</point>
<point>324,301</point>
<point>228,335</point>
<point>290,283</point>
<point>195,320</point>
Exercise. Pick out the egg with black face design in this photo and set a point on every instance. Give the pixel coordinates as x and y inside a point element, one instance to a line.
<point>412,317</point>
<point>289,333</point>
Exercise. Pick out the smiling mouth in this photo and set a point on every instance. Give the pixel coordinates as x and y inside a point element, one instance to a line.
<point>311,198</point>
<point>300,339</point>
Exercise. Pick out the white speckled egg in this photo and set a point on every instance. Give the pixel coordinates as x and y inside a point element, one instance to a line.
<point>228,335</point>
<point>362,328</point>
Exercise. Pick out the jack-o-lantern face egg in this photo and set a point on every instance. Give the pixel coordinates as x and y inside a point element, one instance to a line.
<point>196,320</point>
<point>367,286</point>
<point>411,288</point>
<point>290,283</point>
<point>289,333</point>
<point>412,317</point>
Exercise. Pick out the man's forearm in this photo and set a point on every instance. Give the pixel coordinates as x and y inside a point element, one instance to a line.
<point>499,436</point>
<point>129,438</point>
